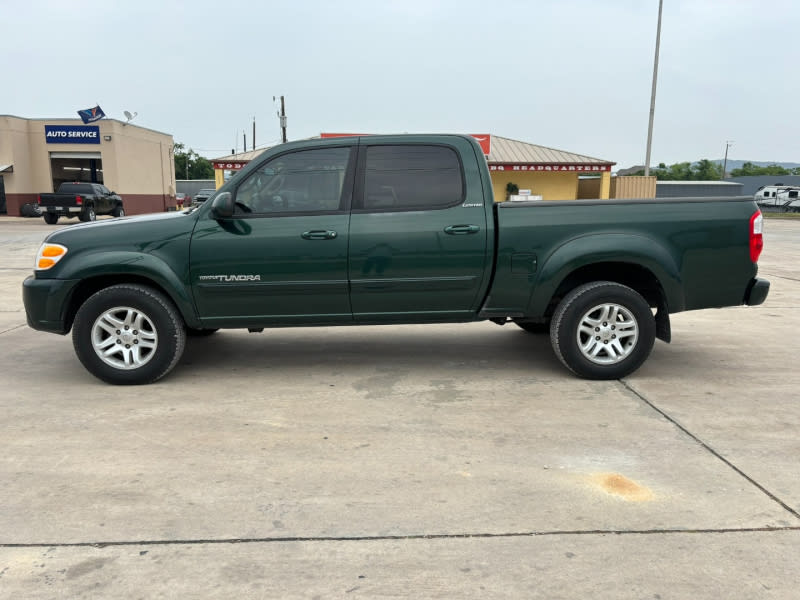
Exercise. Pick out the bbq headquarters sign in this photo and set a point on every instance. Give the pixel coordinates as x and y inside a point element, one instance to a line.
<point>72,134</point>
<point>230,165</point>
<point>559,168</point>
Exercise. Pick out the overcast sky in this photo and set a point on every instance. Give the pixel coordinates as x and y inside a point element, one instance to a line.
<point>570,74</point>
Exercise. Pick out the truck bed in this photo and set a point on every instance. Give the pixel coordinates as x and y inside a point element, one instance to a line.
<point>697,248</point>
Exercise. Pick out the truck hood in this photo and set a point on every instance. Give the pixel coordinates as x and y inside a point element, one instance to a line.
<point>140,234</point>
<point>127,230</point>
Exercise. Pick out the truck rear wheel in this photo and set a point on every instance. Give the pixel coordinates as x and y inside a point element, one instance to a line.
<point>603,330</point>
<point>88,214</point>
<point>50,218</point>
<point>128,335</point>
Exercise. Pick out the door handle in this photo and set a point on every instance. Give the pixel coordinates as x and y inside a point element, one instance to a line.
<point>461,229</point>
<point>319,234</point>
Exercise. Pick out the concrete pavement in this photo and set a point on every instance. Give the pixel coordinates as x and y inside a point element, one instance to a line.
<point>411,461</point>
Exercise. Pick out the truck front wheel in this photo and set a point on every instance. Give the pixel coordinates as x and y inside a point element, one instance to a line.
<point>603,330</point>
<point>128,335</point>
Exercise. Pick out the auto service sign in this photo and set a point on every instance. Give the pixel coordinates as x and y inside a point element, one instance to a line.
<point>72,134</point>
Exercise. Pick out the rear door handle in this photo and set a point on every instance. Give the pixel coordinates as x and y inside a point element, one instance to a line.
<point>461,229</point>
<point>319,234</point>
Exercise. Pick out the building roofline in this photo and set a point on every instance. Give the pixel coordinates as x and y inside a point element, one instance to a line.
<point>581,158</point>
<point>697,182</point>
<point>80,122</point>
<point>593,158</point>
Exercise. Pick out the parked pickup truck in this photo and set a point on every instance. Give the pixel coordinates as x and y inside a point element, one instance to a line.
<point>391,229</point>
<point>86,200</point>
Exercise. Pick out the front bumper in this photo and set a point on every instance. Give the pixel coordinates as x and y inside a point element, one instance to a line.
<point>46,302</point>
<point>756,292</point>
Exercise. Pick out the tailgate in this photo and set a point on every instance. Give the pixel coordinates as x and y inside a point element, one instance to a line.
<point>57,200</point>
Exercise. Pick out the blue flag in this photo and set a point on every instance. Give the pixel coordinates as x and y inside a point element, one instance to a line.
<point>90,115</point>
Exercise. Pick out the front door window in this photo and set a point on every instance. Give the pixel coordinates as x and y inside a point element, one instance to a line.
<point>303,182</point>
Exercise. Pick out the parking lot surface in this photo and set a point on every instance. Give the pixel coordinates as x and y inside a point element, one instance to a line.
<point>408,461</point>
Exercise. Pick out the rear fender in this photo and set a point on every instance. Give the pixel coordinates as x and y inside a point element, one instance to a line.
<point>607,249</point>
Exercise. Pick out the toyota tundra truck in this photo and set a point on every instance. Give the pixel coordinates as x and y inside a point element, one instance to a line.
<point>391,229</point>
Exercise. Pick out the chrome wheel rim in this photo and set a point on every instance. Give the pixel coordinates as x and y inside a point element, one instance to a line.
<point>607,334</point>
<point>124,338</point>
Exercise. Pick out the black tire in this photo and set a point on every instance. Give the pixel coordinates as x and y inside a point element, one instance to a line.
<point>30,210</point>
<point>118,211</point>
<point>622,321</point>
<point>154,324</point>
<point>50,218</point>
<point>537,328</point>
<point>88,214</point>
<point>192,332</point>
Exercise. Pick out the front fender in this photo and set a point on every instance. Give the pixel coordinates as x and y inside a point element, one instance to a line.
<point>645,252</point>
<point>121,264</point>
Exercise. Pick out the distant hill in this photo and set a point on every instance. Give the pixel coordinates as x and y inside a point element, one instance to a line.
<point>737,164</point>
<point>732,164</point>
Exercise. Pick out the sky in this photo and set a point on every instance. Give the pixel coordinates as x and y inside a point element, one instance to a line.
<point>575,75</point>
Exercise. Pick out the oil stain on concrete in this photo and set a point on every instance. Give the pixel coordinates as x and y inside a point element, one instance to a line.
<point>621,487</point>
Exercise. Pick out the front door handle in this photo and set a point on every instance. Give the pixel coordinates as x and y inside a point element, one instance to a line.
<point>461,229</point>
<point>319,234</point>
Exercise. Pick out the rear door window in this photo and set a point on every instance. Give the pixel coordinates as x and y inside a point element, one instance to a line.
<point>411,177</point>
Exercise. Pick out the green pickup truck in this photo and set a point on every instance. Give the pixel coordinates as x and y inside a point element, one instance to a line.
<point>391,229</point>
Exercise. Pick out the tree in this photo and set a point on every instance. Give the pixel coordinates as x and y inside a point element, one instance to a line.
<point>190,165</point>
<point>702,170</point>
<point>705,170</point>
<point>749,168</point>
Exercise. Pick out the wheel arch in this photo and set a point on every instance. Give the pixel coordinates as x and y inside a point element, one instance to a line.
<point>131,268</point>
<point>639,262</point>
<point>634,276</point>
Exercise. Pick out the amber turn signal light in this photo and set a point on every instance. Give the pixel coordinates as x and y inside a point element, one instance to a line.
<point>49,255</point>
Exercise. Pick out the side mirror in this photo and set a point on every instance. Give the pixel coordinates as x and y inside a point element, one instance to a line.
<point>222,206</point>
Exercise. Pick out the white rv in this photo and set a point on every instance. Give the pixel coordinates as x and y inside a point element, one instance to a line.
<point>780,197</point>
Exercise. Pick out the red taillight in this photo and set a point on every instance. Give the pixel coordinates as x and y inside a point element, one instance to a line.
<point>38,199</point>
<point>78,200</point>
<point>756,236</point>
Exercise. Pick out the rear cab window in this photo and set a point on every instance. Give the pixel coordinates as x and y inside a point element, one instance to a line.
<point>76,188</point>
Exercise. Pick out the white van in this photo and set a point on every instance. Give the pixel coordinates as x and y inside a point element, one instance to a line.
<point>780,197</point>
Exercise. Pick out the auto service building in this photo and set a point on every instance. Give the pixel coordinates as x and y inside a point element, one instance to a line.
<point>37,155</point>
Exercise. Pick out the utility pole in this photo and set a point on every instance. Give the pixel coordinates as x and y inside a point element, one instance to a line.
<point>244,141</point>
<point>283,120</point>
<point>728,144</point>
<point>254,133</point>
<point>653,93</point>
